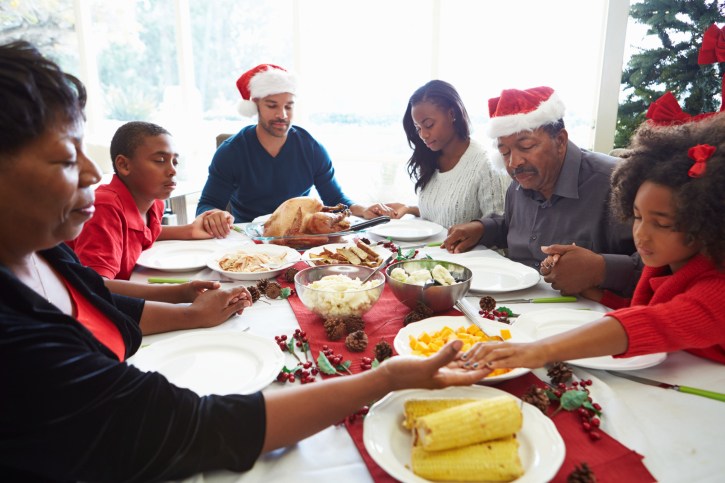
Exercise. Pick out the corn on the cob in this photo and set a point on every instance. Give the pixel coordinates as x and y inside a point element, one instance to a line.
<point>496,460</point>
<point>415,408</point>
<point>468,423</point>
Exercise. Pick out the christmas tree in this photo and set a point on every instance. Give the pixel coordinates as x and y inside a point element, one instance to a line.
<point>672,66</point>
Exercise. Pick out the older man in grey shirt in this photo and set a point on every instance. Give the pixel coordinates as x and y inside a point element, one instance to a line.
<point>560,197</point>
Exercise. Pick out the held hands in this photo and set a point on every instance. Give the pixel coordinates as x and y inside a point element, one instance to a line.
<point>212,224</point>
<point>504,355</point>
<point>213,306</point>
<point>437,371</point>
<point>463,237</point>
<point>572,269</point>
<point>379,209</point>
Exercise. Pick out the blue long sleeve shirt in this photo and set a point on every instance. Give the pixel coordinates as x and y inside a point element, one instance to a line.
<point>243,174</point>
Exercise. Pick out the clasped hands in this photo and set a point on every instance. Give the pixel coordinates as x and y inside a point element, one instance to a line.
<point>572,269</point>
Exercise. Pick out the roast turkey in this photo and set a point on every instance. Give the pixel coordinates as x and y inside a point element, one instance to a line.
<point>306,216</point>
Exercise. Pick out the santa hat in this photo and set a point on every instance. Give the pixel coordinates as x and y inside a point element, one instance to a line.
<point>262,81</point>
<point>516,111</point>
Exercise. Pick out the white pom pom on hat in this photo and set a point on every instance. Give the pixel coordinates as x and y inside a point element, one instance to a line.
<point>521,110</point>
<point>262,81</point>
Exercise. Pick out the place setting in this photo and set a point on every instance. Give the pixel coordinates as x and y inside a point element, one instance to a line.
<point>540,324</point>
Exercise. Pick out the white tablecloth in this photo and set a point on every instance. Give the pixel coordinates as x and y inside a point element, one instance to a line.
<point>679,434</point>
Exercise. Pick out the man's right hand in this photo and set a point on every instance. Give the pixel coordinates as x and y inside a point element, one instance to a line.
<point>463,237</point>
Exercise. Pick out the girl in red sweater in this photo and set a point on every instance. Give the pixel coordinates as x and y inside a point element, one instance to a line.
<point>671,185</point>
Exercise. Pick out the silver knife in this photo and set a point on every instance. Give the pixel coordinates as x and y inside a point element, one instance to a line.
<point>686,389</point>
<point>470,312</point>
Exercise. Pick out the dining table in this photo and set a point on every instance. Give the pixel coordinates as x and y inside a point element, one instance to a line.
<point>679,435</point>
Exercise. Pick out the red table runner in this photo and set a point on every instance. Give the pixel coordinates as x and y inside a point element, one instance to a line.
<point>608,459</point>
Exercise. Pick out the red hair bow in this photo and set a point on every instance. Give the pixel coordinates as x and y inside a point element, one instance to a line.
<point>713,50</point>
<point>713,46</point>
<point>700,154</point>
<point>666,110</point>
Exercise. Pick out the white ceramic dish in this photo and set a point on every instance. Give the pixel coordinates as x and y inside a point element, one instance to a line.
<point>382,252</point>
<point>401,343</point>
<point>407,230</point>
<point>291,257</point>
<point>177,256</point>
<point>541,449</point>
<point>544,323</point>
<point>495,275</point>
<point>219,362</point>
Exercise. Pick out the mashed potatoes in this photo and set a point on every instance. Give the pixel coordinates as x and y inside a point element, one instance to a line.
<point>339,295</point>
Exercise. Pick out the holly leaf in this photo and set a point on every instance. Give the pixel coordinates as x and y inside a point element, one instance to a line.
<point>285,292</point>
<point>344,366</point>
<point>550,394</point>
<point>291,345</point>
<point>572,400</point>
<point>324,364</point>
<point>375,364</point>
<point>410,253</point>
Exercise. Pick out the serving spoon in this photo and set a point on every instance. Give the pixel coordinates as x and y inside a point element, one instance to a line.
<point>383,264</point>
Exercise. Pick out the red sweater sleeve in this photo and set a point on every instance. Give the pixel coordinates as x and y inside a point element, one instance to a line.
<point>693,319</point>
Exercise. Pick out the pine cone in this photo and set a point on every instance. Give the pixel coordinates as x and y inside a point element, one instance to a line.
<point>581,474</point>
<point>537,397</point>
<point>383,351</point>
<point>559,372</point>
<point>354,323</point>
<point>262,285</point>
<point>335,328</point>
<point>290,273</point>
<point>413,316</point>
<point>424,310</point>
<point>357,341</point>
<point>254,292</point>
<point>487,303</point>
<point>273,290</point>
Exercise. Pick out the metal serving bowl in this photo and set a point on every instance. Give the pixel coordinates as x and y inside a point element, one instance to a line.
<point>326,303</point>
<point>438,298</point>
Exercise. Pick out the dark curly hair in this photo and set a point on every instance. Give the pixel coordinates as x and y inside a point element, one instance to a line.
<point>130,136</point>
<point>423,163</point>
<point>34,94</point>
<point>659,154</point>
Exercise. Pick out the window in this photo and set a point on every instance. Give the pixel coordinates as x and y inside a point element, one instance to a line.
<point>175,62</point>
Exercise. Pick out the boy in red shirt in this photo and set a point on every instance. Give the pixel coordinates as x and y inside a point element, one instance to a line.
<point>128,210</point>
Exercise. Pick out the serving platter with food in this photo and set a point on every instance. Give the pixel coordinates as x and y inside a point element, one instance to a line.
<point>356,252</point>
<point>253,262</point>
<point>304,222</point>
<point>485,434</point>
<point>426,337</point>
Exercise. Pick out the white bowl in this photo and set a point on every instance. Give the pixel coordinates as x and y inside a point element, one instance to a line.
<point>290,258</point>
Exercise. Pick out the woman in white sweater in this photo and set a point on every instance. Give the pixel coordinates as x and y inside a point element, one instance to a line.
<point>453,177</point>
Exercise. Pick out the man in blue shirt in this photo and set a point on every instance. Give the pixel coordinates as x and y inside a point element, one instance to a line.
<point>265,164</point>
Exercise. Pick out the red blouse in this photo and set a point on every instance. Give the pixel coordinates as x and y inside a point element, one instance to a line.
<point>94,320</point>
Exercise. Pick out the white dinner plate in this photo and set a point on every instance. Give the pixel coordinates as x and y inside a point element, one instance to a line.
<point>407,230</point>
<point>544,323</point>
<point>219,362</point>
<point>497,275</point>
<point>291,257</point>
<point>382,252</point>
<point>541,447</point>
<point>401,343</point>
<point>177,256</point>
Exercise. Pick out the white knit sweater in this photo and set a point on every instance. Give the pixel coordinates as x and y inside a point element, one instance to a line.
<point>472,189</point>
